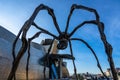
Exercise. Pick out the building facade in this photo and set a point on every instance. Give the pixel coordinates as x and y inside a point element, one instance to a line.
<point>38,51</point>
<point>6,59</point>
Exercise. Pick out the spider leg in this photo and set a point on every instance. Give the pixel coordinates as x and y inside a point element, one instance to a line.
<point>47,59</point>
<point>17,59</point>
<point>29,41</point>
<point>108,47</point>
<point>23,49</point>
<point>82,24</point>
<point>13,48</point>
<point>50,12</point>
<point>75,6</point>
<point>28,58</point>
<point>14,44</point>
<point>98,63</point>
<point>45,31</point>
<point>108,50</point>
<point>71,51</point>
<point>24,30</point>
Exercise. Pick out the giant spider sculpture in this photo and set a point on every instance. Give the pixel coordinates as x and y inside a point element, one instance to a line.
<point>64,39</point>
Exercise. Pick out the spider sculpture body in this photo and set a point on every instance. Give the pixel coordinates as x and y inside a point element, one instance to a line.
<point>64,39</point>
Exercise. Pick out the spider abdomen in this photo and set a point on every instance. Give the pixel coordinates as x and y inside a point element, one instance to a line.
<point>63,41</point>
<point>62,44</point>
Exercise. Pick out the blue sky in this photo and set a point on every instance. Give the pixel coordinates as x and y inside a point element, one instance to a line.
<point>13,14</point>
